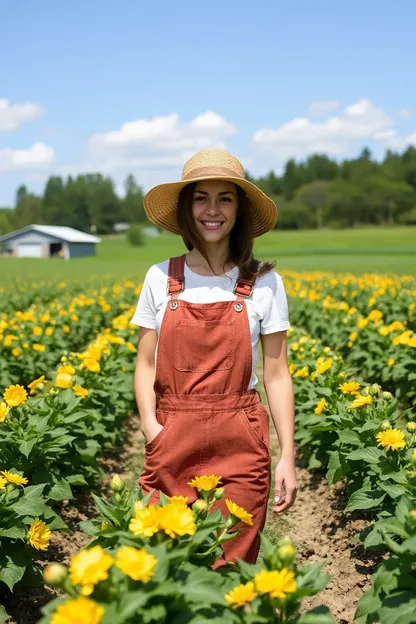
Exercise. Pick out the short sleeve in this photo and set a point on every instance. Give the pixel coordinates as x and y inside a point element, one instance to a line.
<point>145,313</point>
<point>276,312</point>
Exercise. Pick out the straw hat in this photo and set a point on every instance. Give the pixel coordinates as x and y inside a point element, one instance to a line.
<point>161,202</point>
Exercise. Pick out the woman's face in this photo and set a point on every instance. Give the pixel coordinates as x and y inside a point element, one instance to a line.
<point>214,209</point>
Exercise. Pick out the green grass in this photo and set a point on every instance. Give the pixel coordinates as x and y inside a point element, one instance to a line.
<point>386,250</point>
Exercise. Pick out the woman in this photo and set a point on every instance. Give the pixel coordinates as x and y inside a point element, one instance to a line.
<point>201,316</point>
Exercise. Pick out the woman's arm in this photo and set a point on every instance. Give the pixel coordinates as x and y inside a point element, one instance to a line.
<point>279,390</point>
<point>144,377</point>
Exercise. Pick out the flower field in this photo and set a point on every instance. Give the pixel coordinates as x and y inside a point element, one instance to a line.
<point>67,402</point>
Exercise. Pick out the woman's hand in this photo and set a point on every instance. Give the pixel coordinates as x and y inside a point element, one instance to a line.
<point>285,477</point>
<point>152,432</point>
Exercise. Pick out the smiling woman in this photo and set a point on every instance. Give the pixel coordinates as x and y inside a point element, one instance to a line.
<point>201,317</point>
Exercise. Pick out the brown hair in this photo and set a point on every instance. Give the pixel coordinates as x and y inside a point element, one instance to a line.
<point>241,236</point>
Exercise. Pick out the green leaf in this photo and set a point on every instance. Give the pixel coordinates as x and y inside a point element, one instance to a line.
<point>31,503</point>
<point>371,455</point>
<point>398,609</point>
<point>364,499</point>
<point>76,479</point>
<point>319,615</point>
<point>131,602</point>
<point>349,436</point>
<point>60,491</point>
<point>368,604</point>
<point>11,573</point>
<point>392,489</point>
<point>336,467</point>
<point>26,447</point>
<point>14,532</point>
<point>4,616</point>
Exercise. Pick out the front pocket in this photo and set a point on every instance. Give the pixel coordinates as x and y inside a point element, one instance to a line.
<point>202,346</point>
<point>150,446</point>
<point>253,432</point>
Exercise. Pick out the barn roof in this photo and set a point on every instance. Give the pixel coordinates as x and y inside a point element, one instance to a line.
<point>68,234</point>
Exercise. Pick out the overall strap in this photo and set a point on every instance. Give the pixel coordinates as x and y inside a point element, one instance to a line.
<point>176,276</point>
<point>244,287</point>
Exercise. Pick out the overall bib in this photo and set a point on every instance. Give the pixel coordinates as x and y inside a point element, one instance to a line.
<point>212,423</point>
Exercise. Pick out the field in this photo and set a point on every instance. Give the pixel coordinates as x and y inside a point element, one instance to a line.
<point>67,423</point>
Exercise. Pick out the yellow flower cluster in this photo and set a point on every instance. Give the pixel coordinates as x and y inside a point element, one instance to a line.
<point>274,583</point>
<point>90,567</point>
<point>175,519</point>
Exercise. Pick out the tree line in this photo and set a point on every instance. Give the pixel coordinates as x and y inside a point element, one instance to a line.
<point>313,193</point>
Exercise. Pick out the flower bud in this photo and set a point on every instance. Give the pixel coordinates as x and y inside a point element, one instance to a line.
<point>286,540</point>
<point>365,390</point>
<point>138,506</point>
<point>286,554</point>
<point>412,518</point>
<point>219,493</point>
<point>413,457</point>
<point>200,506</point>
<point>117,484</point>
<point>385,425</point>
<point>411,426</point>
<point>387,395</point>
<point>411,475</point>
<point>104,526</point>
<point>55,574</point>
<point>375,389</point>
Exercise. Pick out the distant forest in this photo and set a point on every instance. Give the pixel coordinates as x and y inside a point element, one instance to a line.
<point>314,193</point>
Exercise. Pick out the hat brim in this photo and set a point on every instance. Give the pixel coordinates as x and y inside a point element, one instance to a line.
<point>161,203</point>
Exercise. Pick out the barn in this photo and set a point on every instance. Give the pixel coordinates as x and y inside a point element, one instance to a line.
<point>48,241</point>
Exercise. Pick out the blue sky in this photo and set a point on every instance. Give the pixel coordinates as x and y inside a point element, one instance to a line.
<point>138,87</point>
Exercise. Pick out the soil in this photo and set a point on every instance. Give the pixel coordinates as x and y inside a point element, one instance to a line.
<point>321,532</point>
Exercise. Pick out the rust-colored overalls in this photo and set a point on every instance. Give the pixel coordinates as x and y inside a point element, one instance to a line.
<point>212,423</point>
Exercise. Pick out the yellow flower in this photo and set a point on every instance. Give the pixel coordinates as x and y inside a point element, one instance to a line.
<point>275,583</point>
<point>361,323</point>
<point>89,567</point>
<point>66,329</point>
<point>63,380</point>
<point>146,522</point>
<point>15,395</point>
<point>176,519</point>
<point>78,611</point>
<point>302,372</point>
<point>412,342</point>
<point>38,347</point>
<point>205,482</point>
<point>320,406</point>
<point>39,535</point>
<point>239,512</point>
<point>241,595</point>
<point>323,366</point>
<point>313,376</point>
<point>16,351</point>
<point>37,331</point>
<point>3,483</point>
<point>390,362</point>
<point>49,331</point>
<point>4,410</point>
<point>349,387</point>
<point>137,564</point>
<point>375,315</point>
<point>292,368</point>
<point>178,499</point>
<point>396,326</point>
<point>33,386</point>
<point>92,365</point>
<point>360,401</point>
<point>80,391</point>
<point>353,336</point>
<point>66,369</point>
<point>14,478</point>
<point>392,439</point>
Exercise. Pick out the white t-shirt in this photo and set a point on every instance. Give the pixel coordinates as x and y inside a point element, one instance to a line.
<point>267,307</point>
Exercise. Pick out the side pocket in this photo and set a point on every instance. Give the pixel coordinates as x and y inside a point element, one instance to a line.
<point>150,446</point>
<point>252,431</point>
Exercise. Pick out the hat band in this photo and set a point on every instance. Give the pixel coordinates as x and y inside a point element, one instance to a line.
<point>210,172</point>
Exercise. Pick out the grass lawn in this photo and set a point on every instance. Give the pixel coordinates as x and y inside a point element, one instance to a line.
<point>383,250</point>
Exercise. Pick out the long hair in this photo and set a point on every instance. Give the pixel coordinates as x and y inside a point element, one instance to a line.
<point>241,236</point>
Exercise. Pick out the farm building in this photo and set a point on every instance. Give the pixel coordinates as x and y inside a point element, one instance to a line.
<point>48,241</point>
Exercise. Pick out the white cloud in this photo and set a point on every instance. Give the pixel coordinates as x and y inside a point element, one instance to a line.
<point>161,138</point>
<point>322,108</point>
<point>12,115</point>
<point>38,156</point>
<point>405,113</point>
<point>361,121</point>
